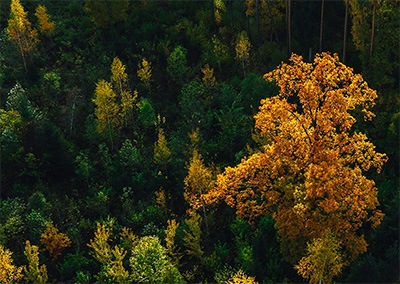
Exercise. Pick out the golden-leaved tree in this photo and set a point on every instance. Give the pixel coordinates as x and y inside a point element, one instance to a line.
<point>20,30</point>
<point>46,26</point>
<point>9,273</point>
<point>310,177</point>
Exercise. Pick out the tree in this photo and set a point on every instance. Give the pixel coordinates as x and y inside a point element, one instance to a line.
<point>9,273</point>
<point>208,76</point>
<point>198,181</point>
<point>241,278</point>
<point>107,109</point>
<point>33,273</point>
<point>171,247</point>
<point>177,64</point>
<point>119,82</point>
<point>162,154</point>
<point>192,237</point>
<point>323,260</point>
<point>55,242</point>
<point>310,177</point>
<point>219,10</point>
<point>45,25</point>
<point>220,51</point>
<point>151,264</point>
<point>20,31</point>
<point>243,50</point>
<point>145,72</point>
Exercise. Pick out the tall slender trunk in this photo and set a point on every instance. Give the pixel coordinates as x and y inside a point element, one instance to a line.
<point>273,24</point>
<point>288,23</point>
<point>371,50</point>
<point>22,50</point>
<point>346,16</point>
<point>321,26</point>
<point>258,23</point>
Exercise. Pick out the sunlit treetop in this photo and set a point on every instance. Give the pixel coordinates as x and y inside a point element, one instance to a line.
<point>310,176</point>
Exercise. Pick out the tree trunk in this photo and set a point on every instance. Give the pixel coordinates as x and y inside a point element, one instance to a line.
<point>371,51</point>
<point>258,23</point>
<point>288,22</point>
<point>321,26</point>
<point>273,24</point>
<point>346,16</point>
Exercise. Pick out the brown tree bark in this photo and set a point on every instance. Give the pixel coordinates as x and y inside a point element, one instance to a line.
<point>321,25</point>
<point>346,16</point>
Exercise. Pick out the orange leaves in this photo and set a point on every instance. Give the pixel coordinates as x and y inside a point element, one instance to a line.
<point>310,177</point>
<point>55,242</point>
<point>45,25</point>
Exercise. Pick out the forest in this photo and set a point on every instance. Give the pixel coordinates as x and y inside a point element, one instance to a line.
<point>215,141</point>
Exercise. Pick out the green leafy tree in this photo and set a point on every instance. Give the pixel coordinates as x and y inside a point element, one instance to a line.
<point>177,65</point>
<point>151,264</point>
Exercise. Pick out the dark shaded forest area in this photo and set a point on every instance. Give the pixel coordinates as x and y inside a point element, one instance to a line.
<point>181,141</point>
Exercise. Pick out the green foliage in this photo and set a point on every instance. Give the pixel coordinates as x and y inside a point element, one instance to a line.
<point>177,65</point>
<point>150,263</point>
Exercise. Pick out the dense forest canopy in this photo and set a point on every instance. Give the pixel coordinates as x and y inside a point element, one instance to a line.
<point>218,141</point>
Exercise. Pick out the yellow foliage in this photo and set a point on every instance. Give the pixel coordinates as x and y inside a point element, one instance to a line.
<point>55,242</point>
<point>19,28</point>
<point>162,155</point>
<point>243,47</point>
<point>309,177</point>
<point>106,107</point>
<point>9,273</point>
<point>119,77</point>
<point>129,240</point>
<point>10,119</point>
<point>250,7</point>
<point>171,247</point>
<point>45,25</point>
<point>33,273</point>
<point>117,270</point>
<point>241,278</point>
<point>323,260</point>
<point>219,10</point>
<point>101,248</point>
<point>199,179</point>
<point>144,72</point>
<point>208,78</point>
<point>192,238</point>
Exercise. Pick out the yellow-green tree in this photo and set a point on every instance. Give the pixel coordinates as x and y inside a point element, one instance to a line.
<point>219,10</point>
<point>323,260</point>
<point>54,241</point>
<point>46,26</point>
<point>111,259</point>
<point>107,110</point>
<point>243,50</point>
<point>20,30</point>
<point>171,247</point>
<point>310,177</point>
<point>34,274</point>
<point>162,154</point>
<point>119,82</point>
<point>145,72</point>
<point>192,237</point>
<point>9,273</point>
